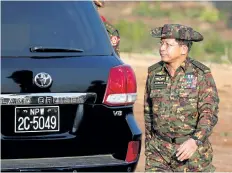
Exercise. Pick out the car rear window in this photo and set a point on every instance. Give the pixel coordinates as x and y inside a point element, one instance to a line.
<point>71,24</point>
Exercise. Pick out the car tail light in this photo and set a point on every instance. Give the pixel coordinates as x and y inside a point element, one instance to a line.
<point>132,151</point>
<point>121,87</point>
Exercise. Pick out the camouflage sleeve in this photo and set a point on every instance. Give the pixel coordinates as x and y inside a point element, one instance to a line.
<point>207,107</point>
<point>114,36</point>
<point>147,111</point>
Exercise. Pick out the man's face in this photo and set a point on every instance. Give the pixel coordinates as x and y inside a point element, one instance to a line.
<point>170,50</point>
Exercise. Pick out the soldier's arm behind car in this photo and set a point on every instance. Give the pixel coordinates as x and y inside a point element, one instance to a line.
<point>114,36</point>
<point>207,107</point>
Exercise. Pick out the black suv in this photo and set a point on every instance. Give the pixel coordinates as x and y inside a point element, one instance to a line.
<point>66,97</point>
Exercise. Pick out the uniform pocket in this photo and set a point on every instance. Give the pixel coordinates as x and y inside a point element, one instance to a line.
<point>156,93</point>
<point>201,160</point>
<point>206,151</point>
<point>188,98</point>
<point>156,96</point>
<point>188,105</point>
<point>190,93</point>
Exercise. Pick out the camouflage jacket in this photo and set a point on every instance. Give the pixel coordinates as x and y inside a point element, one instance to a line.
<point>114,36</point>
<point>186,104</point>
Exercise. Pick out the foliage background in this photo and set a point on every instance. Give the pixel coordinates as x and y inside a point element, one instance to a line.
<point>134,21</point>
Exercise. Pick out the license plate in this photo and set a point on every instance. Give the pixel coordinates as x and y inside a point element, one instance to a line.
<point>37,119</point>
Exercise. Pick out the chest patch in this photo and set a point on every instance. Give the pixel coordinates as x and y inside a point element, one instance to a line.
<point>190,81</point>
<point>159,82</point>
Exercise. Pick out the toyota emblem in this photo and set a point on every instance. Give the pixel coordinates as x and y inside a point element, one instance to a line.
<point>43,80</point>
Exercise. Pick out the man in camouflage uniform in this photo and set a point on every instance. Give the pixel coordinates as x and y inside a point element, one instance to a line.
<point>112,31</point>
<point>180,106</point>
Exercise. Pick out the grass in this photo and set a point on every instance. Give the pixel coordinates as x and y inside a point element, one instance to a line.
<point>202,13</point>
<point>135,36</point>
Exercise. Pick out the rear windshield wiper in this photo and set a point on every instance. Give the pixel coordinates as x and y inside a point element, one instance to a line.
<point>54,49</point>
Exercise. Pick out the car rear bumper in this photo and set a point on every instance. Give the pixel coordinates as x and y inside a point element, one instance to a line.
<point>75,164</point>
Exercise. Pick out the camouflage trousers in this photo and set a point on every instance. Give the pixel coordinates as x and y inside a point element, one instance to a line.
<point>160,157</point>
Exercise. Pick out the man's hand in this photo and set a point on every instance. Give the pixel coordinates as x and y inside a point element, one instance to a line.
<point>186,150</point>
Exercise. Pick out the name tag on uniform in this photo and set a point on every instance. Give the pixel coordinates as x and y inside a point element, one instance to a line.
<point>159,82</point>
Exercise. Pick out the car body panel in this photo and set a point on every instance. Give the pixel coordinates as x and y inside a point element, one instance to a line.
<point>62,123</point>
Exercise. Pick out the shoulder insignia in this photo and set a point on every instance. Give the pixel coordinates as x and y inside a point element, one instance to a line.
<point>155,66</point>
<point>201,66</point>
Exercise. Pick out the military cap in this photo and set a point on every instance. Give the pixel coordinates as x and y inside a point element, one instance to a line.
<point>176,31</point>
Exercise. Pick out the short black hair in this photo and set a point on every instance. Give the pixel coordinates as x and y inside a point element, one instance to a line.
<point>186,43</point>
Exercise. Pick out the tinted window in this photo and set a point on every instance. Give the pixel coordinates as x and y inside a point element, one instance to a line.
<point>73,24</point>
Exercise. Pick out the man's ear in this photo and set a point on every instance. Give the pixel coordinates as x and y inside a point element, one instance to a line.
<point>184,50</point>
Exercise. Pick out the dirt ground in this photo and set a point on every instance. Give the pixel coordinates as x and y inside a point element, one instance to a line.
<point>221,137</point>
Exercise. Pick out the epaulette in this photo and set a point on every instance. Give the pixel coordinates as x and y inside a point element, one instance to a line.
<point>155,66</point>
<point>201,66</point>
